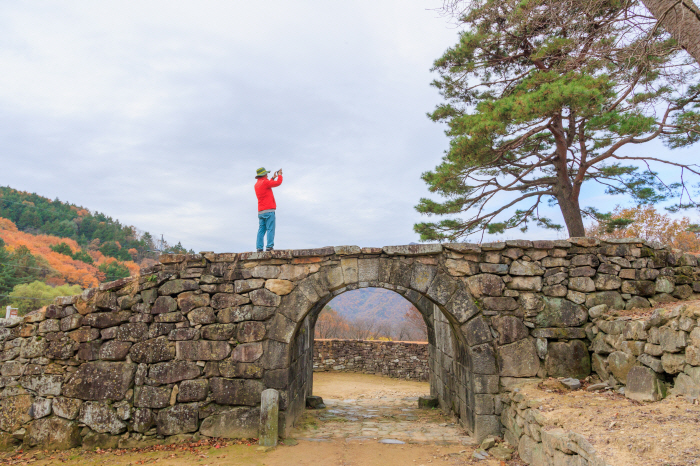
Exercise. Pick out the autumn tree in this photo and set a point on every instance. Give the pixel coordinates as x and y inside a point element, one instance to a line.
<point>330,324</point>
<point>647,223</point>
<point>541,97</point>
<point>30,296</point>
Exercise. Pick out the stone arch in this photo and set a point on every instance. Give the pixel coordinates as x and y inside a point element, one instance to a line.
<point>464,373</point>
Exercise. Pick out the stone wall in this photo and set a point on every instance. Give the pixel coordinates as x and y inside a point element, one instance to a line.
<point>649,355</point>
<point>400,359</point>
<point>539,444</point>
<point>189,345</point>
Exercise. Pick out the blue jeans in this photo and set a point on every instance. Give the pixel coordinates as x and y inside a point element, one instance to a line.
<point>267,224</point>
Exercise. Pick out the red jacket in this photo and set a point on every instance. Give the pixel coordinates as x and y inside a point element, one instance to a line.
<point>263,189</point>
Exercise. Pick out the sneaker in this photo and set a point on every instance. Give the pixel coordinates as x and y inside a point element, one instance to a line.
<point>269,249</point>
<point>260,250</point>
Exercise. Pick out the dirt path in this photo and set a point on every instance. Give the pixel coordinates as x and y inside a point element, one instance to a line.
<point>362,411</point>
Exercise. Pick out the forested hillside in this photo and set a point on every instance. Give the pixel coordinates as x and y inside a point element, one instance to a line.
<point>47,246</point>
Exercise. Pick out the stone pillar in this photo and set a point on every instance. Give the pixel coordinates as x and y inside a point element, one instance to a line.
<point>269,417</point>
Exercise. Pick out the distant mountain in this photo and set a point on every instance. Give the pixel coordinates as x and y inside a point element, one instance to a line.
<point>371,303</point>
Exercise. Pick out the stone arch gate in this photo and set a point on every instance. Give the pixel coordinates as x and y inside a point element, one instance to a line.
<point>464,371</point>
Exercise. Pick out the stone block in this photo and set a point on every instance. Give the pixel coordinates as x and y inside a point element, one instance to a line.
<point>235,423</point>
<point>518,359</point>
<point>152,351</point>
<point>67,408</point>
<point>509,328</point>
<point>173,287</point>
<point>476,331</point>
<point>53,434</point>
<point>673,363</point>
<point>643,384</point>
<point>485,285</point>
<point>100,417</point>
<point>248,352</point>
<point>483,359</point>
<point>236,391</point>
<point>178,419</point>
<point>582,284</point>
<point>173,371</point>
<point>202,350</point>
<point>42,385</point>
<point>619,364</point>
<point>190,300</point>
<point>422,276</point>
<point>560,312</point>
<point>611,298</point>
<point>226,300</point>
<point>413,250</point>
<point>526,283</point>
<point>218,332</point>
<point>146,396</point>
<point>193,390</point>
<point>558,333</point>
<point>568,359</point>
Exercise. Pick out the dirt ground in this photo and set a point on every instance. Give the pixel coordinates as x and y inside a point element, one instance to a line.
<point>322,438</point>
<point>625,432</point>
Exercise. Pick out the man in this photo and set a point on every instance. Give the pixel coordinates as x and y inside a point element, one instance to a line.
<point>266,207</point>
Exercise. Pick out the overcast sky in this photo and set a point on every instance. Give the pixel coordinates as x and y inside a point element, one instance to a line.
<point>158,113</point>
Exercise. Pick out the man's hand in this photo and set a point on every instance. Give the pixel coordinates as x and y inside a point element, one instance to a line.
<point>279,172</point>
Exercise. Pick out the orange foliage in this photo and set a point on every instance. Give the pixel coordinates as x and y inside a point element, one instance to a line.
<point>651,225</point>
<point>69,270</point>
<point>133,252</point>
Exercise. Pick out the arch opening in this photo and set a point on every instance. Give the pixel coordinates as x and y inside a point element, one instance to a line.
<point>448,358</point>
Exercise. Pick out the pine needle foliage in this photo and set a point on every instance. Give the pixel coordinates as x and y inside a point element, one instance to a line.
<point>541,96</point>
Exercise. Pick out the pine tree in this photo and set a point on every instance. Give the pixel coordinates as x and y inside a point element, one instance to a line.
<point>541,97</point>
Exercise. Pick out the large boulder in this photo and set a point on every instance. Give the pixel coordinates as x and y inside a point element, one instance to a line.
<point>235,423</point>
<point>53,433</point>
<point>568,359</point>
<point>643,384</point>
<point>236,391</point>
<point>100,380</point>
<point>100,417</point>
<point>559,312</point>
<point>173,372</point>
<point>178,419</point>
<point>518,359</point>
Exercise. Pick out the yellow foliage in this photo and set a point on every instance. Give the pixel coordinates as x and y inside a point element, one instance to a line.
<point>650,225</point>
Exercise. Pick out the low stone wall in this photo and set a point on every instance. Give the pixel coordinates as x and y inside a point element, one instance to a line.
<point>538,443</point>
<point>400,359</point>
<point>648,354</point>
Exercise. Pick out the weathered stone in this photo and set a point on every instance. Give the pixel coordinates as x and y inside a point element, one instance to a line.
<point>35,347</point>
<point>637,302</point>
<point>485,285</point>
<point>114,350</point>
<point>226,300</point>
<point>133,332</point>
<point>42,385</point>
<point>172,287</point>
<point>100,417</point>
<point>555,262</point>
<point>500,304</point>
<point>235,423</point>
<point>152,351</point>
<point>664,285</point>
<point>644,385</point>
<point>672,341</point>
<point>476,331</point>
<point>619,364</point>
<point>248,352</point>
<point>555,290</point>
<point>509,329</point>
<point>236,391</point>
<point>585,271</point>
<point>158,329</point>
<point>279,287</point>
<point>570,359</point>
<point>193,390</point>
<point>67,408</point>
<point>459,268</point>
<point>178,419</point>
<point>525,268</point>
<point>202,315</point>
<point>191,300</point>
<point>483,359</point>
<point>250,331</point>
<point>567,333</point>
<point>611,298</point>
<point>244,286</point>
<point>100,381</point>
<point>53,434</point>
<point>218,332</point>
<point>585,260</point>
<point>146,396</point>
<point>673,363</point>
<point>84,334</point>
<point>202,350</point>
<point>15,412</point>
<point>499,269</point>
<point>607,282</point>
<point>88,351</point>
<point>265,297</point>
<point>560,312</point>
<point>69,323</point>
<point>173,371</point>
<point>582,284</point>
<point>526,283</point>
<point>265,271</point>
<point>518,359</point>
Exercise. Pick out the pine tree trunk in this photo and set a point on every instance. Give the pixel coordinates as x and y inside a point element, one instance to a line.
<point>571,211</point>
<point>681,18</point>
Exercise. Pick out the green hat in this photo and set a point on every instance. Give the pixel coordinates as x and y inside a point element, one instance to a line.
<point>261,172</point>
